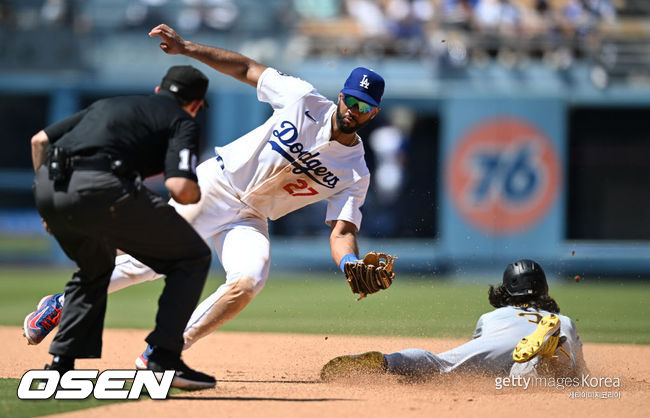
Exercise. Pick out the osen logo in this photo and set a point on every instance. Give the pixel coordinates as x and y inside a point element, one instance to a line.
<point>80,384</point>
<point>503,176</point>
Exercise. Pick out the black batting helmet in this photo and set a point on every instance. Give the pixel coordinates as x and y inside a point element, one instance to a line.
<point>525,278</point>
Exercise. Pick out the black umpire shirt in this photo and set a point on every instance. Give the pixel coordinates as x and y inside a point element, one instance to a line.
<point>151,134</point>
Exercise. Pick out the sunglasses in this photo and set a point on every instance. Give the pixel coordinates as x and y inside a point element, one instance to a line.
<point>353,101</point>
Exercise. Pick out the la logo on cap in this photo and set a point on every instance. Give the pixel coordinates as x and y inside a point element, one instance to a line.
<point>364,82</point>
<point>365,85</point>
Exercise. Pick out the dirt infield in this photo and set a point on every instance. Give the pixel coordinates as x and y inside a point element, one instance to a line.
<point>275,375</point>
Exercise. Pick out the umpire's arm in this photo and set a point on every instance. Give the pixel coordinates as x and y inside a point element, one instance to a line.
<point>183,190</point>
<point>343,240</point>
<point>40,141</point>
<point>52,133</point>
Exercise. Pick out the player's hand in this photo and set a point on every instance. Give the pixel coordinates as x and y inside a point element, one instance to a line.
<point>172,43</point>
<point>371,274</point>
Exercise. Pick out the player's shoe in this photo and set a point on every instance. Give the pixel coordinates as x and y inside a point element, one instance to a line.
<point>344,366</point>
<point>543,342</point>
<point>142,361</point>
<point>184,377</point>
<point>43,320</point>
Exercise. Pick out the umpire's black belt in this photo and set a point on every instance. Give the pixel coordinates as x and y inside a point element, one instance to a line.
<point>95,162</point>
<point>102,162</point>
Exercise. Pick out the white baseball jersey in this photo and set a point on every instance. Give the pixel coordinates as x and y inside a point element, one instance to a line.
<point>490,351</point>
<point>287,163</point>
<point>290,162</point>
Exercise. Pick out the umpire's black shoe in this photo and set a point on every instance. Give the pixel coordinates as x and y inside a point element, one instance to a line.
<point>62,368</point>
<point>184,378</point>
<point>62,364</point>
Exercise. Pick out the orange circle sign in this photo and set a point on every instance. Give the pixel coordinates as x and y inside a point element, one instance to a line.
<point>503,176</point>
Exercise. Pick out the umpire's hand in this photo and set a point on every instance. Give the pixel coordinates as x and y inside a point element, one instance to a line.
<point>47,228</point>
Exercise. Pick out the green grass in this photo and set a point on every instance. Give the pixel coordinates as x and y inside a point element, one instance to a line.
<point>24,245</point>
<point>11,406</point>
<point>614,311</point>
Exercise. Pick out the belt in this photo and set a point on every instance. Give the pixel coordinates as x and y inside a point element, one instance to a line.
<point>102,162</point>
<point>220,161</point>
<point>60,165</point>
<point>225,176</point>
<point>95,162</point>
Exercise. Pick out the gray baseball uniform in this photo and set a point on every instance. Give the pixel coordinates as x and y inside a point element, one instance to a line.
<point>490,350</point>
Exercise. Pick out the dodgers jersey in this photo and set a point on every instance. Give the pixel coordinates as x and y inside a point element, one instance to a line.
<point>290,161</point>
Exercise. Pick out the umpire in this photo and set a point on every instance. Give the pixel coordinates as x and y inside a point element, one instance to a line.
<point>88,191</point>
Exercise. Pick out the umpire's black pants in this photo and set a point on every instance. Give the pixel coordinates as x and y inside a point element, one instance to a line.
<point>91,215</point>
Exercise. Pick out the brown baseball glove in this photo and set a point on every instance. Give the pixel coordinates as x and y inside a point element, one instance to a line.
<point>370,275</point>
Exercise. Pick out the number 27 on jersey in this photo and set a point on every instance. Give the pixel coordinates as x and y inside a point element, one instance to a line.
<point>300,188</point>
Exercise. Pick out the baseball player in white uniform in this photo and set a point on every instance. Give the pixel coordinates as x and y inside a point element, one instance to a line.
<point>307,151</point>
<point>524,336</point>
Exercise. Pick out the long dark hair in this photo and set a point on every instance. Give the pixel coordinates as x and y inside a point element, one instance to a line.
<point>500,298</point>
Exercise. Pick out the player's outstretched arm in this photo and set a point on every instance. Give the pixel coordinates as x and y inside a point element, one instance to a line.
<point>366,276</point>
<point>230,63</point>
<point>343,240</point>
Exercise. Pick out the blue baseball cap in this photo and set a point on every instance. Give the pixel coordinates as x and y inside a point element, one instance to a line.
<point>365,85</point>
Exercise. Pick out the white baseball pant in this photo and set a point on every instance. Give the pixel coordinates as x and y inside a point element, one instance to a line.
<point>241,240</point>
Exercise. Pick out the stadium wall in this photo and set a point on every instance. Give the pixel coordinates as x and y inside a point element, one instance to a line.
<point>505,168</point>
